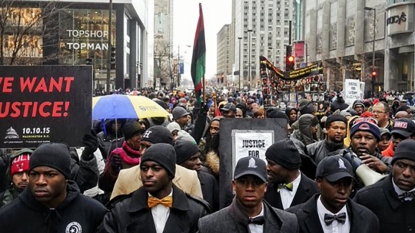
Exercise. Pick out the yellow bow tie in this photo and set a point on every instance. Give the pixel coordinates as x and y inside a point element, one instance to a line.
<point>289,186</point>
<point>153,201</point>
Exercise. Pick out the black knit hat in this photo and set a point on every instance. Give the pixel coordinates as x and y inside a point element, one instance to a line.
<point>131,128</point>
<point>405,150</point>
<point>157,134</point>
<point>54,155</point>
<point>335,117</point>
<point>163,154</point>
<point>284,153</point>
<point>184,150</point>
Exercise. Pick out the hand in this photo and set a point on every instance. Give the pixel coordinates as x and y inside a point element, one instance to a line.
<point>90,142</point>
<point>352,158</point>
<point>374,163</point>
<point>116,162</point>
<point>204,109</point>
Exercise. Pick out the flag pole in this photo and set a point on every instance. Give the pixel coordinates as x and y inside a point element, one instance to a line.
<point>204,89</point>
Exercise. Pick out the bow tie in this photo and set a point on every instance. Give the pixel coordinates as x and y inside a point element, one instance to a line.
<point>289,186</point>
<point>329,218</point>
<point>257,220</point>
<point>407,196</point>
<point>153,201</point>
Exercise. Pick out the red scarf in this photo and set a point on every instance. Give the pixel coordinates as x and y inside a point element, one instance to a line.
<point>127,154</point>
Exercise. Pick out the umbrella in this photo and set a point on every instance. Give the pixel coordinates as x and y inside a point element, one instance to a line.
<point>125,107</point>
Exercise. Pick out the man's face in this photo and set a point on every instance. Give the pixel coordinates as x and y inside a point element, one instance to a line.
<point>276,173</point>
<point>214,128</point>
<point>359,109</point>
<point>228,114</point>
<point>363,142</point>
<point>182,120</point>
<point>144,145</point>
<point>20,180</point>
<point>193,163</point>
<point>239,113</point>
<point>334,195</point>
<point>155,178</point>
<point>336,131</point>
<point>379,114</point>
<point>403,173</point>
<point>47,185</point>
<point>383,144</point>
<point>249,190</point>
<point>396,139</point>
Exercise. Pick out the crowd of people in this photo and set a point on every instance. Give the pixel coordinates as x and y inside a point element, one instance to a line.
<point>341,168</point>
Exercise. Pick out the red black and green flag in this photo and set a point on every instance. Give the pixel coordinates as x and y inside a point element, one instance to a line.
<point>199,56</point>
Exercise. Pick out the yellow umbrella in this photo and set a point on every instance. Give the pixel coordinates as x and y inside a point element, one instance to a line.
<point>125,107</point>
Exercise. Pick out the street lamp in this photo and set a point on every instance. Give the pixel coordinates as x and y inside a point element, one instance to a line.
<point>373,46</point>
<point>249,59</point>
<point>240,56</point>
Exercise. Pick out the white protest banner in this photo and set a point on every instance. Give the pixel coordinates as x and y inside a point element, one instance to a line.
<point>252,143</point>
<point>351,90</point>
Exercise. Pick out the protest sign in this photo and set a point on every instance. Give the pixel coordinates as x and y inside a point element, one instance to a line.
<point>44,104</point>
<point>352,91</point>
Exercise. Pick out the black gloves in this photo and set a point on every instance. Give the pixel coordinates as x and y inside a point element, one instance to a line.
<point>352,158</point>
<point>116,162</point>
<point>90,143</point>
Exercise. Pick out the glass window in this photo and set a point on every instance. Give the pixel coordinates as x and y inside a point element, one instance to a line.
<point>85,36</point>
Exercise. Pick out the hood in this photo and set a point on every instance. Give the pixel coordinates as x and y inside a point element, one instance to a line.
<point>305,122</point>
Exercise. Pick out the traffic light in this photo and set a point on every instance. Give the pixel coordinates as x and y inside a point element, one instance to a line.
<point>88,61</point>
<point>289,59</point>
<point>112,57</point>
<point>373,74</point>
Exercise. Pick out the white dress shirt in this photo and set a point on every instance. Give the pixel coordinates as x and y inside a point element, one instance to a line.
<point>160,215</point>
<point>335,227</point>
<point>255,228</point>
<point>287,196</point>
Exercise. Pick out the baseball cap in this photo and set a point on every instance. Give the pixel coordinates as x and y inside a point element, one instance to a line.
<point>251,166</point>
<point>229,107</point>
<point>334,168</point>
<point>404,127</point>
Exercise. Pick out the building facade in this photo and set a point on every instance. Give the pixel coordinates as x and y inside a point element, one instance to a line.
<point>355,38</point>
<point>77,33</point>
<point>223,65</point>
<point>263,26</point>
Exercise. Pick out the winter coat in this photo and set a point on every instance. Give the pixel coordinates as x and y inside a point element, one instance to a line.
<point>77,212</point>
<point>394,215</point>
<point>321,149</point>
<point>304,132</point>
<point>131,214</point>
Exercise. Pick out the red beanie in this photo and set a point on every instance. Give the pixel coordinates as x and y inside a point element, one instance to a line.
<point>20,164</point>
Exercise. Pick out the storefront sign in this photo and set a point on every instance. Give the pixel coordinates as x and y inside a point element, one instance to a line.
<point>399,19</point>
<point>93,42</point>
<point>44,103</point>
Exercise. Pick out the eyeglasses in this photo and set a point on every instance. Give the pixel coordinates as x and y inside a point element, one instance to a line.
<point>377,112</point>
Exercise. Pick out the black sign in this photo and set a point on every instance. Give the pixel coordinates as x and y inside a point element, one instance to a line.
<point>396,19</point>
<point>294,74</point>
<point>44,104</point>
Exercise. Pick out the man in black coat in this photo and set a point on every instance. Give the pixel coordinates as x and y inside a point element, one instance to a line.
<point>332,210</point>
<point>392,199</point>
<point>288,186</point>
<point>158,206</point>
<point>248,213</point>
<point>51,202</point>
<point>188,156</point>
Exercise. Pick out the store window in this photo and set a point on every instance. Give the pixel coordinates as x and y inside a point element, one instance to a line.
<point>19,45</point>
<point>84,37</point>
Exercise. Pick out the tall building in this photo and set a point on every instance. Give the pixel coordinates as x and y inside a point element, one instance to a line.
<point>165,67</point>
<point>263,26</point>
<point>77,32</point>
<point>354,38</point>
<point>223,65</point>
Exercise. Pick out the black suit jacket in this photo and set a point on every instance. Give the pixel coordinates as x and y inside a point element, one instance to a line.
<point>130,213</point>
<point>362,220</point>
<point>210,189</point>
<point>305,191</point>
